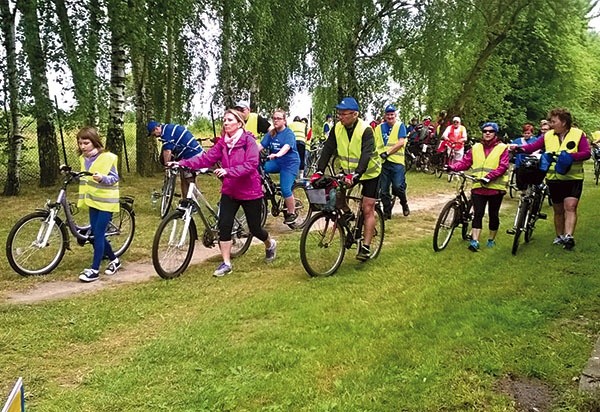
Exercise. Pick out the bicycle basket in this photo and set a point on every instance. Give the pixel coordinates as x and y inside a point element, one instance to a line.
<point>529,172</point>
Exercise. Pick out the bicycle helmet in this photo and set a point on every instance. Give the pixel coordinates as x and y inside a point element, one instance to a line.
<point>492,125</point>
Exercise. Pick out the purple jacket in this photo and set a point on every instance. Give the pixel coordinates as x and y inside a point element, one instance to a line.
<point>242,181</point>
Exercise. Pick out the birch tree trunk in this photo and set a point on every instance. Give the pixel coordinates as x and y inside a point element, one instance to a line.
<point>15,139</point>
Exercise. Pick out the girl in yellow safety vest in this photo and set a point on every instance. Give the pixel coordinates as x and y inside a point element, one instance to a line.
<point>100,194</point>
<point>489,161</point>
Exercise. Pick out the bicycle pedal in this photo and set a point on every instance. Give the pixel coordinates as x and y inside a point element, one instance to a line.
<point>542,216</point>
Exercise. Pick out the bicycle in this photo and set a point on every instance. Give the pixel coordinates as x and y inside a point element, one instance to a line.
<point>331,231</point>
<point>530,201</point>
<point>596,157</point>
<point>38,241</point>
<point>446,157</point>
<point>272,195</point>
<point>167,192</point>
<point>458,211</point>
<point>175,237</point>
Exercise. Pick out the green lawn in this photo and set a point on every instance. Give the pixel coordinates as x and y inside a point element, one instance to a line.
<point>413,331</point>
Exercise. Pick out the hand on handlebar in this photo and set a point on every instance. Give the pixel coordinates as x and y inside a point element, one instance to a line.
<point>220,172</point>
<point>350,179</point>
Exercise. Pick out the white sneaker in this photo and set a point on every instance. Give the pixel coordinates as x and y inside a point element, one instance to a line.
<point>89,275</point>
<point>271,252</point>
<point>113,267</point>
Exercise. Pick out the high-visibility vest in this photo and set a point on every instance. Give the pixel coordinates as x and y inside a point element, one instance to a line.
<point>482,165</point>
<point>553,144</point>
<point>397,157</point>
<point>97,195</point>
<point>349,150</point>
<point>299,129</point>
<point>252,124</point>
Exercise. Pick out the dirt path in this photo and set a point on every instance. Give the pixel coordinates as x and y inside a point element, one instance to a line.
<point>135,272</point>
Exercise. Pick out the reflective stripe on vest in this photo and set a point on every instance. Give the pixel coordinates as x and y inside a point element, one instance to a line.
<point>397,157</point>
<point>552,144</point>
<point>482,165</point>
<point>252,124</point>
<point>97,195</point>
<point>349,150</point>
<point>299,129</point>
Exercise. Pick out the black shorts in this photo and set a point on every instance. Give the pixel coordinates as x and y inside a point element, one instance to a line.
<point>370,187</point>
<point>561,189</point>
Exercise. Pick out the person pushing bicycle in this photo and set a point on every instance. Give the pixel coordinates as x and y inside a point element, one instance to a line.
<point>178,143</point>
<point>353,141</point>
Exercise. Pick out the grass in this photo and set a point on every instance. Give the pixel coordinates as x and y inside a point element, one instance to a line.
<point>414,330</point>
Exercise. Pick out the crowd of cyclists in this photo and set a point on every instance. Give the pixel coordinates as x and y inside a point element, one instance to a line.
<point>377,156</point>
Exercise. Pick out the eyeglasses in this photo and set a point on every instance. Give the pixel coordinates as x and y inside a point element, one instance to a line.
<point>278,118</point>
<point>341,114</point>
<point>488,131</point>
<point>456,122</point>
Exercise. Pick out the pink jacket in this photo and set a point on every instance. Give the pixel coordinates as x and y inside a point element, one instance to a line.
<point>242,181</point>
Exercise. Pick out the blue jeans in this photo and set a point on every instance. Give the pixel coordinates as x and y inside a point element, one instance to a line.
<point>99,221</point>
<point>287,176</point>
<point>392,174</point>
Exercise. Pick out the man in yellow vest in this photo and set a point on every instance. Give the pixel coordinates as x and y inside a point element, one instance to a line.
<point>393,135</point>
<point>255,123</point>
<point>299,129</point>
<point>353,141</point>
<point>565,176</point>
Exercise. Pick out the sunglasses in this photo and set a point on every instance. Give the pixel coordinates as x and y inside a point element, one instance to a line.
<point>488,131</point>
<point>277,118</point>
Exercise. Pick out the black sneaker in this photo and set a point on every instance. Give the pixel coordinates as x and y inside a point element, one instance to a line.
<point>113,267</point>
<point>387,215</point>
<point>405,210</point>
<point>364,253</point>
<point>290,218</point>
<point>89,275</point>
<point>511,231</point>
<point>568,242</point>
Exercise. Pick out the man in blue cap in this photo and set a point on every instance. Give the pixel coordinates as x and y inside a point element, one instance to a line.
<point>353,141</point>
<point>393,134</point>
<point>178,143</point>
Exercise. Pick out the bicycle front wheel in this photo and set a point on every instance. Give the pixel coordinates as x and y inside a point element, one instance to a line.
<point>445,225</point>
<point>173,245</point>
<point>121,229</point>
<point>168,192</point>
<point>512,182</point>
<point>26,248</point>
<point>302,207</point>
<point>520,225</point>
<point>240,234</point>
<point>322,245</point>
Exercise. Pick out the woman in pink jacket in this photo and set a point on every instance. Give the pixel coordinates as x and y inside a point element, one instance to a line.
<point>238,153</point>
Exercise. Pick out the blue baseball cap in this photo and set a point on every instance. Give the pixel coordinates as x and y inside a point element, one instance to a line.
<point>390,108</point>
<point>151,126</point>
<point>348,103</point>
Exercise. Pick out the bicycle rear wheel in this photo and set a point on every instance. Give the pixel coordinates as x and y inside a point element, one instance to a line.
<point>168,191</point>
<point>121,229</point>
<point>521,219</point>
<point>322,245</point>
<point>597,170</point>
<point>240,234</point>
<point>445,225</point>
<point>25,253</point>
<point>378,233</point>
<point>173,246</point>
<point>466,221</point>
<point>302,209</point>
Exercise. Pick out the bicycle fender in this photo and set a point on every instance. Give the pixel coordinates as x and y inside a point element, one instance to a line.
<point>194,230</point>
<point>127,204</point>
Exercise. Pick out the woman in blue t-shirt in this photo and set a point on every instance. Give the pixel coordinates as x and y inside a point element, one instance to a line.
<point>283,159</point>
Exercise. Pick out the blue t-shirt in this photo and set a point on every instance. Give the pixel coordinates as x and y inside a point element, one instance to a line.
<point>386,129</point>
<point>180,141</point>
<point>521,141</point>
<point>274,143</point>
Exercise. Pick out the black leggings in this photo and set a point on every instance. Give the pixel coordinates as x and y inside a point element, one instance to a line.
<point>227,210</point>
<point>479,202</point>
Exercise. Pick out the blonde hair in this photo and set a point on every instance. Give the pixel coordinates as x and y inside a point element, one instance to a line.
<point>91,134</point>
<point>237,114</point>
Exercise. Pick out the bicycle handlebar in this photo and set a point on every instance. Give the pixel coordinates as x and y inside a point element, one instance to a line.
<point>176,167</point>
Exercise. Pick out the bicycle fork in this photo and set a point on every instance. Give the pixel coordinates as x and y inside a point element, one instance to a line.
<point>46,229</point>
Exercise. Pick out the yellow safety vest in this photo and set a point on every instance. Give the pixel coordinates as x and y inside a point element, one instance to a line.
<point>552,144</point>
<point>252,124</point>
<point>97,195</point>
<point>349,150</point>
<point>397,157</point>
<point>299,129</point>
<point>483,165</point>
